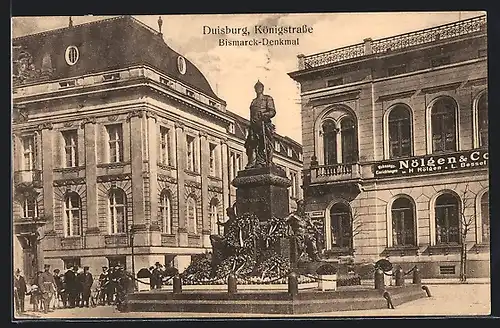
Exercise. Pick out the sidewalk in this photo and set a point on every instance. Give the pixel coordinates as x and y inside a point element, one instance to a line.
<point>455,300</point>
<point>441,281</point>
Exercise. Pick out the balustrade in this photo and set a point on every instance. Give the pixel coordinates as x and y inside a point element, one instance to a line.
<point>397,42</point>
<point>335,172</point>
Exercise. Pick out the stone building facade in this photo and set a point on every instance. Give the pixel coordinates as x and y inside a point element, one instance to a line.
<point>395,141</point>
<point>120,147</point>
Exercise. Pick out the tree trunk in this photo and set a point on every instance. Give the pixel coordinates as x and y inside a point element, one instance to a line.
<point>463,261</point>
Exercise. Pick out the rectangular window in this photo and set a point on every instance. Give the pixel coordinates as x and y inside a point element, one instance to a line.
<point>213,159</point>
<point>115,143</point>
<point>293,191</point>
<point>277,146</point>
<point>289,152</point>
<point>396,70</point>
<point>70,148</point>
<point>231,128</point>
<point>335,82</point>
<point>190,150</point>
<point>165,157</point>
<point>28,153</point>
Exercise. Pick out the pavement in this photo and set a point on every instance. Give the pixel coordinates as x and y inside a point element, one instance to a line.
<point>446,300</point>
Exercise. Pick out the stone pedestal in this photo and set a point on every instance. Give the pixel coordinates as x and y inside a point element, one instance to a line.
<point>262,192</point>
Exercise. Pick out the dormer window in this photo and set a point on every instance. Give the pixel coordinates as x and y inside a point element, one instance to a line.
<point>289,152</point>
<point>71,55</point>
<point>231,128</point>
<point>181,65</point>
<point>277,146</point>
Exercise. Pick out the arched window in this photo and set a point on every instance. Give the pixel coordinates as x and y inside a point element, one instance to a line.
<point>447,219</point>
<point>191,216</point>
<point>349,142</point>
<point>117,211</point>
<point>30,207</point>
<point>482,120</point>
<point>443,125</point>
<point>485,217</point>
<point>341,227</point>
<point>329,142</point>
<point>399,132</point>
<point>72,215</point>
<point>403,222</point>
<point>165,211</point>
<point>214,212</point>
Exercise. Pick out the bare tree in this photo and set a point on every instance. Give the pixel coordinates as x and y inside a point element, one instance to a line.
<point>356,226</point>
<point>467,219</point>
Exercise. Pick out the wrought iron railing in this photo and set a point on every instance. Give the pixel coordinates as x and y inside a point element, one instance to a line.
<point>396,42</point>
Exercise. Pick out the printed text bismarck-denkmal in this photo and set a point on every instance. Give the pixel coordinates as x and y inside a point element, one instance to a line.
<point>259,42</point>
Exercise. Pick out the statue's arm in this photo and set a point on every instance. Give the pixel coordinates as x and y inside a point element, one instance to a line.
<point>271,109</point>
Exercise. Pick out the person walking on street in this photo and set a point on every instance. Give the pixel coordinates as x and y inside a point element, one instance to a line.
<point>47,287</point>
<point>19,291</point>
<point>87,280</point>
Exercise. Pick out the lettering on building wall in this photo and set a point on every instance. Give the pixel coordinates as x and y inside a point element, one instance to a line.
<point>432,164</point>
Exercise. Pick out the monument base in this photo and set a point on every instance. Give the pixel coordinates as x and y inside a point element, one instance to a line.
<point>262,192</point>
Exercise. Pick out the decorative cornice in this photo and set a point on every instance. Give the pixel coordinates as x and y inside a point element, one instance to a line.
<point>136,113</point>
<point>192,184</point>
<point>215,189</point>
<point>398,95</point>
<point>68,124</point>
<point>442,87</point>
<point>45,126</point>
<point>113,165</point>
<point>113,118</point>
<point>139,227</point>
<point>68,182</point>
<point>335,98</point>
<point>152,115</point>
<point>88,120</point>
<point>166,178</point>
<point>261,180</point>
<point>203,134</point>
<point>115,177</point>
<point>179,125</point>
<point>69,169</point>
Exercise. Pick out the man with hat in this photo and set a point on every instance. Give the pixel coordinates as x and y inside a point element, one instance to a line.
<point>86,281</point>
<point>158,275</point>
<point>47,287</point>
<point>19,290</point>
<point>70,280</point>
<point>103,286</point>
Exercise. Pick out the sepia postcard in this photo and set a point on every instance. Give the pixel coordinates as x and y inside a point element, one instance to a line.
<point>250,165</point>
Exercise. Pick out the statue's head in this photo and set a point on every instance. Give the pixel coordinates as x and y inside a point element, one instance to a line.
<point>259,87</point>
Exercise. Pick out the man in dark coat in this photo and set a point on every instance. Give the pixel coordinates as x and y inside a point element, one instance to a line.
<point>152,278</point>
<point>86,281</point>
<point>103,285</point>
<point>70,280</point>
<point>19,290</point>
<point>158,275</point>
<point>59,287</point>
<point>79,288</point>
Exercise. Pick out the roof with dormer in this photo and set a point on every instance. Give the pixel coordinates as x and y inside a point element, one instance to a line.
<point>105,45</point>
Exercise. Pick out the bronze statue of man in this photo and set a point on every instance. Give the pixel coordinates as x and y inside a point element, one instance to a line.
<point>260,138</point>
<point>304,231</point>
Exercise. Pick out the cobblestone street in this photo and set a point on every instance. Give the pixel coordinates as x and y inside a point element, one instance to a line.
<point>453,299</point>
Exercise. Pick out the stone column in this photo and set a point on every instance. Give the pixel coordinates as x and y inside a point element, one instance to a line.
<point>44,153</point>
<point>153,176</point>
<point>226,193</point>
<point>137,133</point>
<point>90,135</point>
<point>181,164</point>
<point>205,202</point>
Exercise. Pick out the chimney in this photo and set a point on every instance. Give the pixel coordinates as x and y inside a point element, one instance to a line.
<point>160,23</point>
<point>70,21</point>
